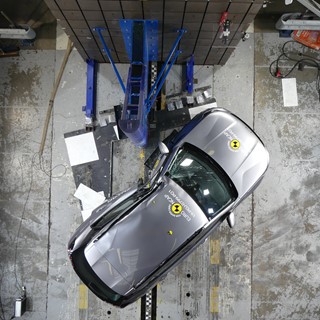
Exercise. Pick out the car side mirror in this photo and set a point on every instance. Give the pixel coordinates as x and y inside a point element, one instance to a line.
<point>231,220</point>
<point>163,148</point>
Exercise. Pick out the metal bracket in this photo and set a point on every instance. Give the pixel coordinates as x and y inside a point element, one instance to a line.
<point>299,21</point>
<point>311,5</point>
<point>16,31</point>
<point>25,32</point>
<point>293,21</point>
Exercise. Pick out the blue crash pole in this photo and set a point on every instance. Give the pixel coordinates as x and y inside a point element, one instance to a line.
<point>106,50</point>
<point>181,32</point>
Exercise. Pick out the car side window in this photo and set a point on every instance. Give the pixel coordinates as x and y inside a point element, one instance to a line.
<point>202,179</point>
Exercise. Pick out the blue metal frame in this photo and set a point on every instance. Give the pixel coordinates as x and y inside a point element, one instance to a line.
<point>181,33</point>
<point>91,89</point>
<point>106,50</point>
<point>141,41</point>
<point>150,102</point>
<point>133,120</point>
<point>189,73</point>
<point>150,34</point>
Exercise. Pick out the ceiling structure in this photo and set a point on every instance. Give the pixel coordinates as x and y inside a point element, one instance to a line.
<point>199,17</point>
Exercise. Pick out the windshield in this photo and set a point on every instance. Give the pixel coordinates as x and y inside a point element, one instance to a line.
<point>203,179</point>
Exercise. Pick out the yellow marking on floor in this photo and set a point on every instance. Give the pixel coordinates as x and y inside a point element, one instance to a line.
<point>215,251</point>
<point>156,164</point>
<point>163,101</point>
<point>83,297</point>
<point>159,300</point>
<point>214,300</point>
<point>142,157</point>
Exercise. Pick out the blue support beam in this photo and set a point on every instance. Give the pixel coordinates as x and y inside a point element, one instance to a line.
<point>141,42</point>
<point>90,107</point>
<point>150,36</point>
<point>107,52</point>
<point>174,47</point>
<point>189,74</point>
<point>151,101</point>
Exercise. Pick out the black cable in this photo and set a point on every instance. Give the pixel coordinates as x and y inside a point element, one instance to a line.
<point>38,166</point>
<point>300,60</point>
<point>17,238</point>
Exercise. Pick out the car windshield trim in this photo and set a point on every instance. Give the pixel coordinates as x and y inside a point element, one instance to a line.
<point>203,179</point>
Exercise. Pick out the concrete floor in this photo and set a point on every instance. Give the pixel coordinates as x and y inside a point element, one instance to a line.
<point>267,267</point>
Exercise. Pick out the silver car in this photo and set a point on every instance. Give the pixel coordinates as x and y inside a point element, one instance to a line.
<point>134,239</point>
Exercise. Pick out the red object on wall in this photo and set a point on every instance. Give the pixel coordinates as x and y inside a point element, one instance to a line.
<point>223,19</point>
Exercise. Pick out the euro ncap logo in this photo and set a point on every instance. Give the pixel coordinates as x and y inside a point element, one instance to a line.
<point>176,208</point>
<point>235,144</point>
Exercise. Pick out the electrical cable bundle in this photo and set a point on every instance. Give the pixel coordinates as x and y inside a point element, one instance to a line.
<point>299,60</point>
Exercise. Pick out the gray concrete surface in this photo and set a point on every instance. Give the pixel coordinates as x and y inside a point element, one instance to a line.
<point>286,282</point>
<point>234,90</point>
<point>264,268</point>
<point>25,183</point>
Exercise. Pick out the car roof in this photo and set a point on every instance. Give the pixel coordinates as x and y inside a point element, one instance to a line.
<point>232,144</point>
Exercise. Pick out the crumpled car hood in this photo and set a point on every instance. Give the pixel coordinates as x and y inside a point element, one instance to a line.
<point>136,245</point>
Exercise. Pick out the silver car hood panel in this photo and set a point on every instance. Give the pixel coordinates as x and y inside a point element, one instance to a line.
<point>243,165</point>
<point>105,270</point>
<point>136,245</point>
